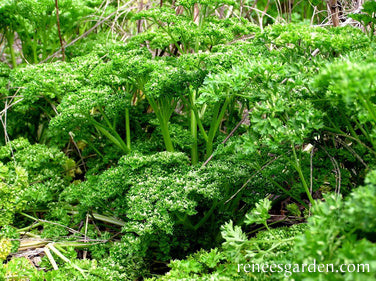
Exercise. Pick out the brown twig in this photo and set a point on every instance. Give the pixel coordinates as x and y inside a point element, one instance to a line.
<point>311,175</point>
<point>84,34</point>
<point>355,139</point>
<point>337,170</point>
<point>78,150</point>
<point>59,30</point>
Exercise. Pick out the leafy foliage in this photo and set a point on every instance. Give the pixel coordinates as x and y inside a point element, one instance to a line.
<point>35,25</point>
<point>327,239</point>
<point>13,184</point>
<point>367,17</point>
<point>205,129</point>
<point>32,175</point>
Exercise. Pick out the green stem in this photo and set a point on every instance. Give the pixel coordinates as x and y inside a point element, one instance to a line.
<point>263,227</point>
<point>166,136</point>
<point>10,39</point>
<point>199,123</point>
<point>221,115</point>
<point>266,226</point>
<point>31,234</point>
<point>360,127</point>
<point>34,46</point>
<point>209,143</point>
<point>365,133</point>
<point>33,43</point>
<point>113,137</point>
<point>349,126</point>
<point>333,130</point>
<point>194,149</point>
<point>28,216</point>
<point>95,149</point>
<point>214,125</point>
<point>27,228</point>
<point>45,42</point>
<point>163,117</point>
<point>300,172</point>
<point>110,131</point>
<point>127,128</point>
<point>372,31</point>
<point>106,119</point>
<point>368,104</point>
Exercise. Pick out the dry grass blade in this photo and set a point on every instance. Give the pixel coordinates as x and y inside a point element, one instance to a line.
<point>27,244</point>
<point>50,258</point>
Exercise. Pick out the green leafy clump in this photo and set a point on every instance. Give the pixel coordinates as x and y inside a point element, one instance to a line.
<point>34,22</point>
<point>300,38</point>
<point>10,234</point>
<point>33,95</point>
<point>106,190</point>
<point>339,232</point>
<point>4,74</point>
<point>350,84</point>
<point>44,84</point>
<point>13,184</point>
<point>39,173</point>
<point>293,209</point>
<point>187,36</point>
<point>22,268</point>
<point>198,265</point>
<point>5,248</point>
<point>142,191</point>
<point>260,213</point>
<point>17,268</point>
<point>274,245</point>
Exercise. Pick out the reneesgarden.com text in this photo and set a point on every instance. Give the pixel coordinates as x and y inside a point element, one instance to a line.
<point>288,269</point>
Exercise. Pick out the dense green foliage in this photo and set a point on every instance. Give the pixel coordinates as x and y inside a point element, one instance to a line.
<point>218,136</point>
<point>339,232</point>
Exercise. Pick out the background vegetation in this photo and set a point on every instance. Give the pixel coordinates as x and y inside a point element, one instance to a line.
<point>173,140</point>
